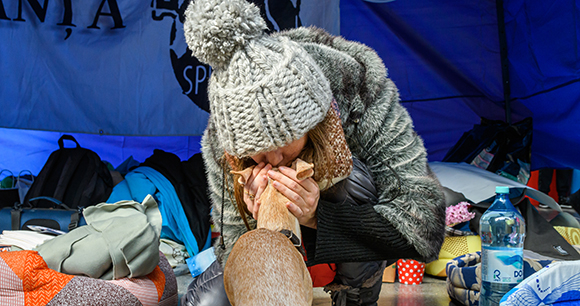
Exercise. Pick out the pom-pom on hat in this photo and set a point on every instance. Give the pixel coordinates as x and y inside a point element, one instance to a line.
<point>265,91</point>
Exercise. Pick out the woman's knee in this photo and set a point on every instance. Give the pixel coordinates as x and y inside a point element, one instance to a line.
<point>207,288</point>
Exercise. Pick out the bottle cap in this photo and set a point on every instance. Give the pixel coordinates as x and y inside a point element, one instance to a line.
<point>502,189</point>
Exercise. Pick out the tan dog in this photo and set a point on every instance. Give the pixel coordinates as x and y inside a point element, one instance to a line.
<point>265,267</point>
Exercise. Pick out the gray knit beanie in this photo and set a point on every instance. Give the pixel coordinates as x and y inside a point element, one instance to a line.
<point>265,91</point>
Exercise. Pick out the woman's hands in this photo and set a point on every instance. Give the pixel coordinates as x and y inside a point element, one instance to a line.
<point>254,187</point>
<point>303,195</point>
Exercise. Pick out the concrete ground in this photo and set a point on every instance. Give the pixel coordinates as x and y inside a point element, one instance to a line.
<point>432,292</point>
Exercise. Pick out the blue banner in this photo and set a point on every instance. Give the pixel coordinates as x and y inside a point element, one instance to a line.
<point>115,74</point>
<point>110,67</point>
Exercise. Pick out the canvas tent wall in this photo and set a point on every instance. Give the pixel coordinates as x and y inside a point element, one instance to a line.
<point>445,58</point>
<point>125,87</point>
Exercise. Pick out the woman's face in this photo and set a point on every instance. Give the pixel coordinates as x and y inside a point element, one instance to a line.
<point>283,156</point>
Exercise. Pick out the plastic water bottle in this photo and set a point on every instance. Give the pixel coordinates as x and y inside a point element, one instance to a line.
<point>502,230</point>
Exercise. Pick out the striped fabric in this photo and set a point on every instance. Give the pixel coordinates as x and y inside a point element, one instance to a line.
<point>142,288</point>
<point>11,291</point>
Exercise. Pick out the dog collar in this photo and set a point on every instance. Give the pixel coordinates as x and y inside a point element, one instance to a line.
<point>294,239</point>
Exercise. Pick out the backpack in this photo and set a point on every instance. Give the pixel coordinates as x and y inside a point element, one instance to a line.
<point>76,177</point>
<point>497,147</point>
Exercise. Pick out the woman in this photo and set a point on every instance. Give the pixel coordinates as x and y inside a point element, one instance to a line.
<point>305,93</point>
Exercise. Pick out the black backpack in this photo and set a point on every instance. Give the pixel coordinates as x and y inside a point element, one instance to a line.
<point>76,177</point>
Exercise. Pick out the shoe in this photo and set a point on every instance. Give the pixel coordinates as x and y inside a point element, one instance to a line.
<point>564,202</point>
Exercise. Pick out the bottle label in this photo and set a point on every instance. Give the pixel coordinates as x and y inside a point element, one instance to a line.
<point>502,265</point>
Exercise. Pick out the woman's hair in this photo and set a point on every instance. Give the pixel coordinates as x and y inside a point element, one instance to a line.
<point>317,150</point>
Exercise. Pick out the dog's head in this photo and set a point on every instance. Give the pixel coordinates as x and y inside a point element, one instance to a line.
<point>303,169</point>
<point>275,216</point>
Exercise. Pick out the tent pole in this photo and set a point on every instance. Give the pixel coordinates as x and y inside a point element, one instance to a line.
<point>504,60</point>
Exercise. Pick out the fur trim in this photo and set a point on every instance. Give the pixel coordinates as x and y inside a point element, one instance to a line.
<point>380,131</point>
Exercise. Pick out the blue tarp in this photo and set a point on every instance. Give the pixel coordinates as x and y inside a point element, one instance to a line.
<point>126,87</point>
<point>444,56</point>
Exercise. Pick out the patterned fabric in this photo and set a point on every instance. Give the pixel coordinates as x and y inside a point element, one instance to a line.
<point>342,154</point>
<point>464,276</point>
<point>25,280</point>
<point>38,283</point>
<point>556,284</point>
<point>571,234</point>
<point>453,246</point>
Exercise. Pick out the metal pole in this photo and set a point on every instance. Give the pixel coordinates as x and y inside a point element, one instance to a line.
<point>504,60</point>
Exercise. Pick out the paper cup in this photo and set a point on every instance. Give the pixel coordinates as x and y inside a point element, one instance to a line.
<point>410,271</point>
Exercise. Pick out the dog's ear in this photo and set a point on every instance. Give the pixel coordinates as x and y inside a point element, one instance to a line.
<point>303,169</point>
<point>244,175</point>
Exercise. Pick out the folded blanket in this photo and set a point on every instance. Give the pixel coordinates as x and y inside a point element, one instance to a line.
<point>464,276</point>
